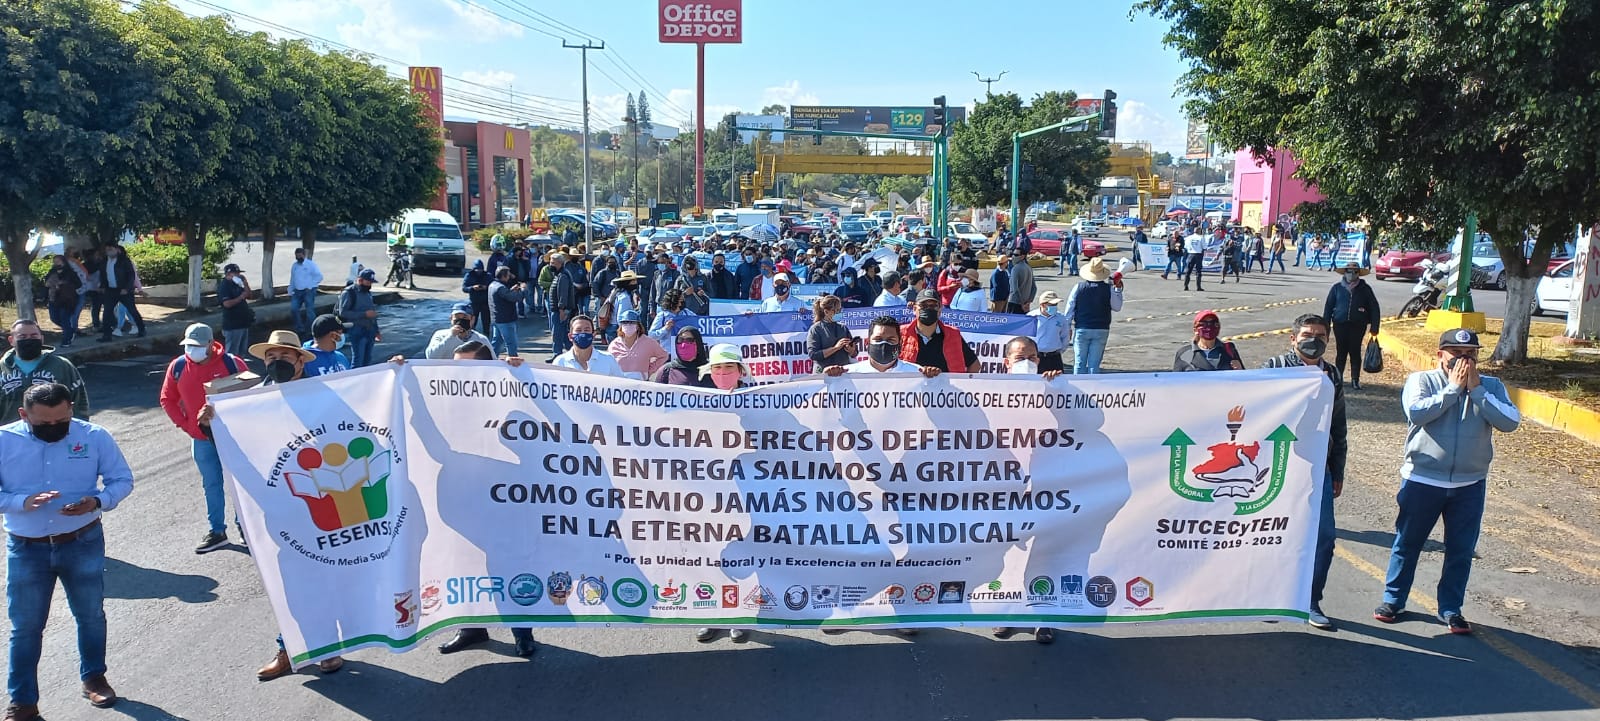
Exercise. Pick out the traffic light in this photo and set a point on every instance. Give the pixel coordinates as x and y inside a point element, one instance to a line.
<point>733,131</point>
<point>817,138</point>
<point>940,111</point>
<point>1108,115</point>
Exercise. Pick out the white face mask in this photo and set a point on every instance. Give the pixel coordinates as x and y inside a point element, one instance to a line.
<point>966,283</point>
<point>628,329</point>
<point>196,353</point>
<point>238,280</point>
<point>1024,367</point>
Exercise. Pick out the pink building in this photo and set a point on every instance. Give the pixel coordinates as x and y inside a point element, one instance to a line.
<point>1262,194</point>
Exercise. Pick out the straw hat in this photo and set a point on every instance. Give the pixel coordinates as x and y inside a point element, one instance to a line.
<point>281,339</point>
<point>1096,271</point>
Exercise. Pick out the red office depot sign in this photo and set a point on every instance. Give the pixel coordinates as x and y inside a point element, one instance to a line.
<point>701,21</point>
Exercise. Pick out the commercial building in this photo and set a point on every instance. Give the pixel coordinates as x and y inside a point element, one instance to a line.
<point>1264,194</point>
<point>488,171</point>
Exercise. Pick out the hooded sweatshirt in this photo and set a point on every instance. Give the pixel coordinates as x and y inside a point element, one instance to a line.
<point>51,368</point>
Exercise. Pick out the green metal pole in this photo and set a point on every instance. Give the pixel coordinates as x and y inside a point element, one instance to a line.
<point>1016,181</point>
<point>1460,300</point>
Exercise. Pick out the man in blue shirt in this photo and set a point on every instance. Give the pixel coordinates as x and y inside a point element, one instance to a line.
<point>57,475</point>
<point>326,333</point>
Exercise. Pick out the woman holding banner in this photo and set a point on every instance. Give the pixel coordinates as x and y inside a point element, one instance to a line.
<point>692,354</point>
<point>726,370</point>
<point>829,342</point>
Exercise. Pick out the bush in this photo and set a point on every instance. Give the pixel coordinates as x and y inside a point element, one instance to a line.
<point>156,264</point>
<point>482,236</point>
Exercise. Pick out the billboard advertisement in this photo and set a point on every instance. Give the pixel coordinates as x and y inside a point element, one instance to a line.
<point>701,21</point>
<point>888,120</point>
<point>429,83</point>
<point>1198,145</point>
<point>770,122</point>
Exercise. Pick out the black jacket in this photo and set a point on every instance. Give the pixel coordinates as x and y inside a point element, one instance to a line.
<point>122,268</point>
<point>1357,305</point>
<point>1191,358</point>
<point>1338,437</point>
<point>722,285</point>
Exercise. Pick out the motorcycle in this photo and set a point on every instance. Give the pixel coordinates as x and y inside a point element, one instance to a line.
<point>400,270</point>
<point>1429,289</point>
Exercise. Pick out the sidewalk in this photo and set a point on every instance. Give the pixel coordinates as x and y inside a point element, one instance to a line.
<point>164,327</point>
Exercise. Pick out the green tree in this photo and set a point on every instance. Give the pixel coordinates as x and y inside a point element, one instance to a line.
<point>1161,159</point>
<point>1423,110</point>
<point>1065,166</point>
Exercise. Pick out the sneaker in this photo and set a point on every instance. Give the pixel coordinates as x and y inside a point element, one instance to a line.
<point>1044,636</point>
<point>117,332</point>
<point>1319,621</point>
<point>705,635</point>
<point>1458,624</point>
<point>212,542</point>
<point>739,635</point>
<point>1386,613</point>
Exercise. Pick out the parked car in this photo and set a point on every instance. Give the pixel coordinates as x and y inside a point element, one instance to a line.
<point>1404,263</point>
<point>1164,229</point>
<point>1087,227</point>
<point>969,233</point>
<point>856,230</point>
<point>1554,292</point>
<point>623,218</point>
<point>1048,242</point>
<point>883,218</point>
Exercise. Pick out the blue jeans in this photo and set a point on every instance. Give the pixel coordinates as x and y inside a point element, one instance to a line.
<point>1422,505</point>
<point>505,339</point>
<point>1325,535</point>
<point>210,465</point>
<point>361,341</point>
<point>1063,265</point>
<point>1072,264</point>
<point>32,570</point>
<point>302,308</point>
<point>1174,265</point>
<point>1089,347</point>
<point>1278,259</point>
<point>558,334</point>
<point>66,318</point>
<point>1299,253</point>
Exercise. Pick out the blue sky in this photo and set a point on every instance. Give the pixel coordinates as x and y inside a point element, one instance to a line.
<point>832,52</point>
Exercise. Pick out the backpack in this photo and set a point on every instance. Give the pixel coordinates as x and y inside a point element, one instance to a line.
<point>183,363</point>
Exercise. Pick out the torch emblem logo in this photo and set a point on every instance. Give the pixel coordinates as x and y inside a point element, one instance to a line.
<point>1235,471</point>
<point>342,485</point>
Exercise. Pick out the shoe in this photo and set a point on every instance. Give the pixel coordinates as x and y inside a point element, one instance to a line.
<point>117,332</point>
<point>705,635</point>
<point>1044,636</point>
<point>141,334</point>
<point>68,344</point>
<point>1001,632</point>
<point>1319,621</point>
<point>833,631</point>
<point>1458,624</point>
<point>1355,385</point>
<point>1386,612</point>
<point>212,542</point>
<point>739,635</point>
<point>331,665</point>
<point>907,631</point>
<point>100,694</point>
<point>526,647</point>
<point>464,639</point>
<point>22,712</point>
<point>278,668</point>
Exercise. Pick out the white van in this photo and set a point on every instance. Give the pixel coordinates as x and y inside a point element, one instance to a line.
<point>435,240</point>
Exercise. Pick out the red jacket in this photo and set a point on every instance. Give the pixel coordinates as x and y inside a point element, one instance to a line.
<point>948,285</point>
<point>955,356</point>
<point>183,391</point>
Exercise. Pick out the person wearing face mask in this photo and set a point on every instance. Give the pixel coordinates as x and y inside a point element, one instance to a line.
<point>1205,352</point>
<point>883,352</point>
<point>63,292</point>
<point>505,295</point>
<point>744,277</point>
<point>1052,332</point>
<point>851,292</point>
<point>664,277</point>
<point>828,342</point>
<point>949,281</point>
<point>1352,307</point>
<point>444,342</point>
<point>999,285</point>
<point>583,355</point>
<point>1452,412</point>
<point>304,277</point>
<point>326,333</point>
<point>726,371</point>
<point>183,397</point>
<point>930,343</point>
<point>1023,287</point>
<point>639,355</point>
<point>1089,309</point>
<point>691,353</point>
<point>671,317</point>
<point>233,290</point>
<point>58,476</point>
<point>893,286</point>
<point>763,286</point>
<point>357,306</point>
<point>721,283</point>
<point>692,283</point>
<point>29,363</point>
<point>117,278</point>
<point>781,301</point>
<point>624,297</point>
<point>971,296</point>
<point>475,283</point>
<point>1307,348</point>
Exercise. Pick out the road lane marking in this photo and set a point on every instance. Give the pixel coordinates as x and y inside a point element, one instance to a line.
<point>1262,334</point>
<point>1235,309</point>
<point>1490,638</point>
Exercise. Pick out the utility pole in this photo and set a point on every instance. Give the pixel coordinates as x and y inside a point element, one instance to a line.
<point>588,197</point>
<point>988,82</point>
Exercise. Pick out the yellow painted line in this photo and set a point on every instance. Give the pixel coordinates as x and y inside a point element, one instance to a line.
<point>1262,334</point>
<point>1491,639</point>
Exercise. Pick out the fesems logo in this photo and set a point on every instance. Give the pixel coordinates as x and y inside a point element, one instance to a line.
<point>1234,471</point>
<point>344,487</point>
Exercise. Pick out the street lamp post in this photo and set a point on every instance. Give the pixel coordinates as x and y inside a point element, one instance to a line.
<point>1016,162</point>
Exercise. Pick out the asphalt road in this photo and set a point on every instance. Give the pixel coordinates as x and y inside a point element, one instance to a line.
<point>188,631</point>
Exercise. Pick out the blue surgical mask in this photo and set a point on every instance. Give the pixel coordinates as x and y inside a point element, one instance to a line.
<point>583,340</point>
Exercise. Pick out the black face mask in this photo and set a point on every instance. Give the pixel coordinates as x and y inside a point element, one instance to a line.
<point>29,348</point>
<point>882,352</point>
<point>51,432</point>
<point>462,323</point>
<point>282,371</point>
<point>1312,348</point>
<point>928,316</point>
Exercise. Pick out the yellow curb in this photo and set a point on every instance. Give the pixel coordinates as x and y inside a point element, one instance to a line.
<point>1546,410</point>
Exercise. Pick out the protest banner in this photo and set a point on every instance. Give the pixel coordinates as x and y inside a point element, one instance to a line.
<point>390,503</point>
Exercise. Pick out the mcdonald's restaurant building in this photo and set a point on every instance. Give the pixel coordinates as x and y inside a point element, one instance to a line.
<point>488,171</point>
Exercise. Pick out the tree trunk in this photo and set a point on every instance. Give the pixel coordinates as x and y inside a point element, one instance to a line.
<point>16,249</point>
<point>1522,279</point>
<point>195,242</point>
<point>308,239</point>
<point>267,246</point>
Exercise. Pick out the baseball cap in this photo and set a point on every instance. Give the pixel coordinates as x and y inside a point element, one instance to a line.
<point>231,268</point>
<point>197,334</point>
<point>325,324</point>
<point>462,309</point>
<point>1204,314</point>
<point>928,294</point>
<point>369,274</point>
<point>1459,338</point>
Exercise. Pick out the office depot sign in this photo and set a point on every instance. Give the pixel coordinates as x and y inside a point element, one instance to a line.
<point>701,21</point>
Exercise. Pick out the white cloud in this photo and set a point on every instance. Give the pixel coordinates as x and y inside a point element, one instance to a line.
<point>1138,121</point>
<point>491,78</point>
<point>787,94</point>
<point>387,30</point>
<point>481,24</point>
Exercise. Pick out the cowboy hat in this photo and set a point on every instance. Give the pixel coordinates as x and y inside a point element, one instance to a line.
<point>1096,271</point>
<point>1355,267</point>
<point>627,275</point>
<point>972,275</point>
<point>281,339</point>
<point>1049,297</point>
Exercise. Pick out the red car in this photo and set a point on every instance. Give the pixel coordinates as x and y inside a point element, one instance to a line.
<point>1400,263</point>
<point>1048,243</point>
